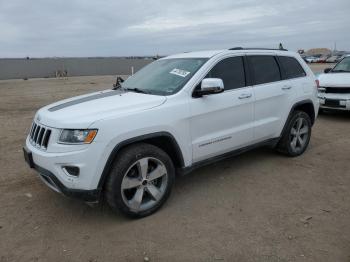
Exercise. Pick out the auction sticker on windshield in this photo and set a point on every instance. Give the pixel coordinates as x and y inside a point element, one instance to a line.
<point>179,72</point>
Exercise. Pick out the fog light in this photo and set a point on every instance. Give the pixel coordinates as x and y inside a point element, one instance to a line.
<point>72,170</point>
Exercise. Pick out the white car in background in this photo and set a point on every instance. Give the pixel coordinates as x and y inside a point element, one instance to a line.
<point>334,86</point>
<point>333,59</point>
<point>311,59</point>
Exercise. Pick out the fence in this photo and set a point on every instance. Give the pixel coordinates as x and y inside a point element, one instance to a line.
<point>22,68</point>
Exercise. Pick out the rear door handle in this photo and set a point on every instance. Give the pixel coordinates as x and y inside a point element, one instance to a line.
<point>244,96</point>
<point>286,87</point>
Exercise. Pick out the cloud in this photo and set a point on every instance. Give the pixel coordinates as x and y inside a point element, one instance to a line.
<point>116,28</point>
<point>233,17</point>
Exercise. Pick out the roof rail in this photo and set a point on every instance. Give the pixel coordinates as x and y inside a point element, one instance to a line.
<point>256,48</point>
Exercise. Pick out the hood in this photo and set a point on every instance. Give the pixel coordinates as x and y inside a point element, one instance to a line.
<point>334,80</point>
<point>82,111</point>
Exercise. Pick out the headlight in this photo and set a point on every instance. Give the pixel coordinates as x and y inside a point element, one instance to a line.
<point>77,136</point>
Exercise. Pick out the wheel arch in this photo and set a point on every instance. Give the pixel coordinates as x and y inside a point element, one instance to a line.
<point>306,106</point>
<point>163,140</point>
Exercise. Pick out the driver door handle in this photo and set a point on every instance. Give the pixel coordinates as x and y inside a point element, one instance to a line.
<point>286,87</point>
<point>244,96</point>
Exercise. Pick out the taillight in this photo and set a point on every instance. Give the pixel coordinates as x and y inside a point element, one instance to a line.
<point>317,83</point>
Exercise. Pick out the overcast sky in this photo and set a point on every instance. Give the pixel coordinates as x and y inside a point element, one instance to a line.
<point>41,28</point>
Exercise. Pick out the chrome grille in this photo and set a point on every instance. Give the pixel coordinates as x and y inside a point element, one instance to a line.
<point>39,136</point>
<point>337,90</point>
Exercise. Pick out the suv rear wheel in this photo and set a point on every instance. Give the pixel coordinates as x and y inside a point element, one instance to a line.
<point>140,180</point>
<point>296,136</point>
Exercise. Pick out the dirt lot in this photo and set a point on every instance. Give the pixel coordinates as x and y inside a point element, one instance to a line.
<point>259,206</point>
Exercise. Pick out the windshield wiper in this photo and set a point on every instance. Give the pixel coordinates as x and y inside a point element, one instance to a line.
<point>137,90</point>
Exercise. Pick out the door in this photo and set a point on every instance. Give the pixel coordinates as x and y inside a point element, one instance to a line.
<point>223,122</point>
<point>273,96</point>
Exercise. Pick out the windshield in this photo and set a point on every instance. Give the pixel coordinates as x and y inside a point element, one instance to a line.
<point>342,66</point>
<point>164,77</point>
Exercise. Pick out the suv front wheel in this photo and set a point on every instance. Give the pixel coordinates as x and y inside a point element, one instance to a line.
<point>140,180</point>
<point>296,136</point>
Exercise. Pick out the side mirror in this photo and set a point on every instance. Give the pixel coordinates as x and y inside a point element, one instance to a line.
<point>326,70</point>
<point>209,86</point>
<point>118,83</point>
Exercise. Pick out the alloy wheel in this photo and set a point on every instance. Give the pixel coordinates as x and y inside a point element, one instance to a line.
<point>144,184</point>
<point>299,135</point>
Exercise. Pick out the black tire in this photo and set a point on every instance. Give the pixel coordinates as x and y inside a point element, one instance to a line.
<point>124,164</point>
<point>285,145</point>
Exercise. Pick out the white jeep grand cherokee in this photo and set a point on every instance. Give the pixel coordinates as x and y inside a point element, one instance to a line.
<point>174,115</point>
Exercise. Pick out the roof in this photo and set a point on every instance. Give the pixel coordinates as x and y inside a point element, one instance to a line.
<point>198,54</point>
<point>211,53</point>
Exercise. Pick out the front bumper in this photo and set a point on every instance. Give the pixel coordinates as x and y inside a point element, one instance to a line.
<point>52,181</point>
<point>334,101</point>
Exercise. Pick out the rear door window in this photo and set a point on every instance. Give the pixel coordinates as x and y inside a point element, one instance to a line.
<point>291,67</point>
<point>264,68</point>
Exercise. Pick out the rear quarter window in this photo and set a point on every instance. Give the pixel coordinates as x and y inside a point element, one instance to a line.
<point>291,67</point>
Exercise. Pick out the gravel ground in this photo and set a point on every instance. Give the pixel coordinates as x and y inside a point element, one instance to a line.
<point>259,206</point>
